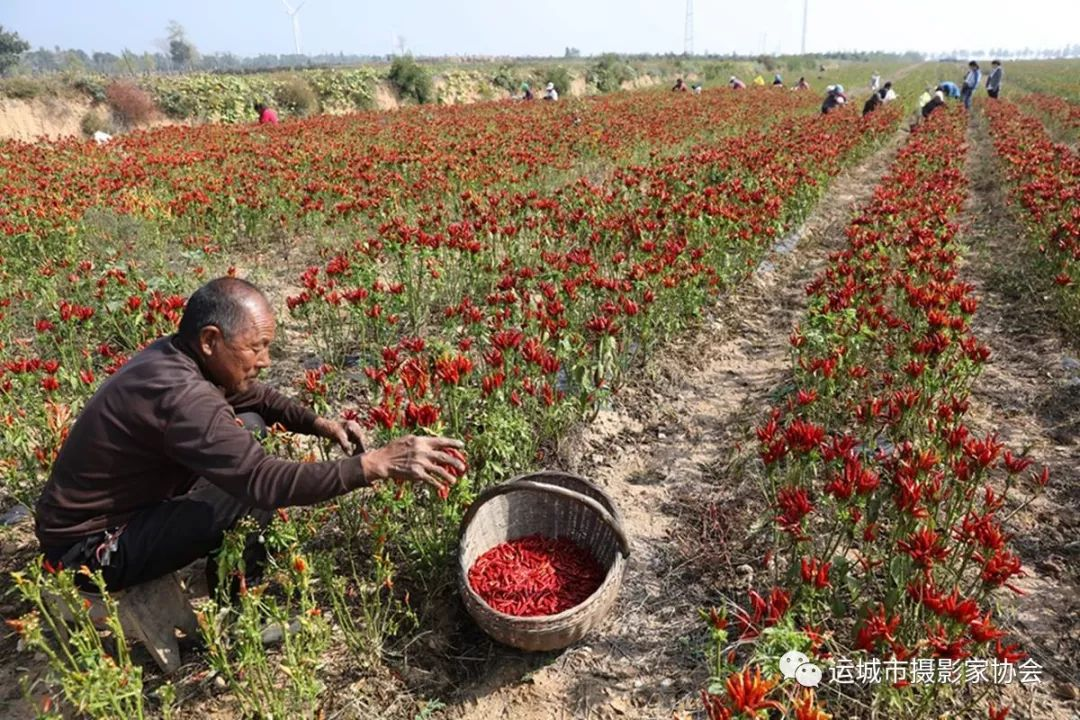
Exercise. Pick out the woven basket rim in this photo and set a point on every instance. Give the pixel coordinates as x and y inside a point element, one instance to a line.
<point>528,623</point>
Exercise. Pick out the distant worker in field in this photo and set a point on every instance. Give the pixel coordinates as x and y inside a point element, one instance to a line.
<point>875,82</point>
<point>993,81</point>
<point>526,91</point>
<point>949,89</point>
<point>886,93</point>
<point>935,102</point>
<point>267,116</point>
<point>834,98</point>
<point>927,96</point>
<point>736,84</point>
<point>550,93</point>
<point>971,83</point>
<point>872,103</point>
<point>759,81</point>
<point>680,86</point>
<point>777,81</point>
<point>697,89</point>
<point>802,84</point>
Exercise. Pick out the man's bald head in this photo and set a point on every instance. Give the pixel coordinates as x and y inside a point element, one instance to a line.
<point>227,303</point>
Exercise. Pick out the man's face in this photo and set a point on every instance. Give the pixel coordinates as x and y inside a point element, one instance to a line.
<point>235,362</point>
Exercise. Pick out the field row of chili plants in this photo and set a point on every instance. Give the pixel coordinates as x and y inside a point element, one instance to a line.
<point>889,532</point>
<point>1060,114</point>
<point>1050,77</point>
<point>489,272</point>
<point>1044,180</point>
<point>350,172</point>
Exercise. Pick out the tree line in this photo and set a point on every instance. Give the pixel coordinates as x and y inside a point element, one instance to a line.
<point>179,54</point>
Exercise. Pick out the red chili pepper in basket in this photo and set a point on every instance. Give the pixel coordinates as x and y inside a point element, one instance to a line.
<point>535,575</point>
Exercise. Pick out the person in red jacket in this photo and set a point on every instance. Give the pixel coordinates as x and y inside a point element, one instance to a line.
<point>267,116</point>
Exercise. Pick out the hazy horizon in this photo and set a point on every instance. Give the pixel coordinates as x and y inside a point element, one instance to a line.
<point>545,29</point>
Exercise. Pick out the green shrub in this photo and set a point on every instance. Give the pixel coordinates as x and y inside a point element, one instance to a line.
<point>212,98</point>
<point>343,90</point>
<point>296,97</point>
<point>93,122</point>
<point>411,80</point>
<point>21,88</point>
<point>610,72</point>
<point>560,78</point>
<point>506,78</point>
<point>175,102</point>
<point>718,71</point>
<point>92,87</point>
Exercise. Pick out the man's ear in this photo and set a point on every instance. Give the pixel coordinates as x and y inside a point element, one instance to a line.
<point>209,339</point>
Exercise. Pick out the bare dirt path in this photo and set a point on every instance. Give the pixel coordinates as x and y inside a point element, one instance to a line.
<point>1030,392</point>
<point>658,449</point>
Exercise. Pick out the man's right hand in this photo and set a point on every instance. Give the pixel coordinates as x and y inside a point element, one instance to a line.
<point>414,459</point>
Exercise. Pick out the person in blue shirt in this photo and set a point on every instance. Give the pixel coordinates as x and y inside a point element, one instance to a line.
<point>950,89</point>
<point>971,82</point>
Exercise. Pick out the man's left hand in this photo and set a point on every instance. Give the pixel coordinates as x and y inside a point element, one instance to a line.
<point>347,436</point>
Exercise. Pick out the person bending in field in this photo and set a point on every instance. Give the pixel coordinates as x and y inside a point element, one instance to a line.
<point>802,84</point>
<point>680,86</point>
<point>872,103</point>
<point>267,116</point>
<point>993,81</point>
<point>886,93</point>
<point>934,103</point>
<point>550,93</point>
<point>949,89</point>
<point>834,98</point>
<point>736,84</point>
<point>163,460</point>
<point>927,96</point>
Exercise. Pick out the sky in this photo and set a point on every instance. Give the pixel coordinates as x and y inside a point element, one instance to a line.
<point>546,27</point>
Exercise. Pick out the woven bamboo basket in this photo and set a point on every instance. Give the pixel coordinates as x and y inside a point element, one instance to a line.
<point>555,505</point>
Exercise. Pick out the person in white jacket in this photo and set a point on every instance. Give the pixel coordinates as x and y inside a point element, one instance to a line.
<point>550,93</point>
<point>886,93</point>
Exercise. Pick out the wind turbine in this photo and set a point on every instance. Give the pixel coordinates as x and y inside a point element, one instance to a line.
<point>293,12</point>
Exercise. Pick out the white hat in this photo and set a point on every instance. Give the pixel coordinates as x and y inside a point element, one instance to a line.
<point>551,86</point>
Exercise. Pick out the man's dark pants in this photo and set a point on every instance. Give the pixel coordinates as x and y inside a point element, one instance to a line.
<point>170,535</point>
